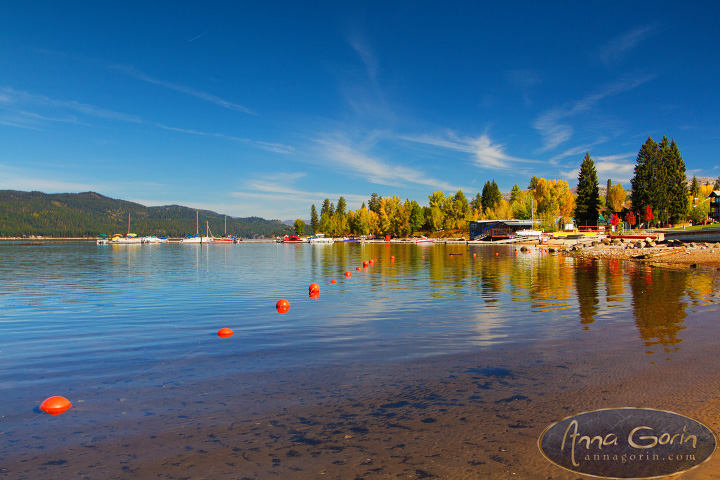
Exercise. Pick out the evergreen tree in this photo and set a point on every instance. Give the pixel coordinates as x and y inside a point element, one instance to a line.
<point>374,203</point>
<point>417,219</point>
<point>314,220</point>
<point>643,182</point>
<point>695,189</point>
<point>341,206</point>
<point>491,195</point>
<point>608,203</point>
<point>477,202</point>
<point>676,185</point>
<point>326,208</point>
<point>588,193</point>
<point>515,194</point>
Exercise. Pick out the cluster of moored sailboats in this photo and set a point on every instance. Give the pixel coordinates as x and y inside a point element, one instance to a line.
<point>131,238</point>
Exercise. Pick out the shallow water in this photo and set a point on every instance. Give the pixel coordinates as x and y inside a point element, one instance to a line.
<point>128,334</point>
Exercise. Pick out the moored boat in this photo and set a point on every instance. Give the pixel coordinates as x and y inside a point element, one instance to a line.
<point>130,238</point>
<point>154,239</point>
<point>102,239</point>
<point>424,239</point>
<point>293,239</point>
<point>321,239</point>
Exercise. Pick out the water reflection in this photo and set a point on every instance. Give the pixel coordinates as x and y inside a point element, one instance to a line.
<point>659,305</point>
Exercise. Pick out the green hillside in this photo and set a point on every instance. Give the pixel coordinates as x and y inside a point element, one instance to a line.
<point>89,213</point>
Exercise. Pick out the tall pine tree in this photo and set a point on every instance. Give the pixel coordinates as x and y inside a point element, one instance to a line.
<point>588,194</point>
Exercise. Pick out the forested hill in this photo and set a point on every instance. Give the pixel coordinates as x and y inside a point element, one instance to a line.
<point>89,213</point>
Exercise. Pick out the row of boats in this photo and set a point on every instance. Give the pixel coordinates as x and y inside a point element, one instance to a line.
<point>322,239</point>
<point>131,238</point>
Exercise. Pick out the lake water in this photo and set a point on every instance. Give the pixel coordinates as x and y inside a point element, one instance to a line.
<point>435,364</point>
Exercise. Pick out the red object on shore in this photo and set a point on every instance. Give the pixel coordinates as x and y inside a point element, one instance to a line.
<point>225,333</point>
<point>314,287</point>
<point>348,274</point>
<point>55,405</point>
<point>282,305</point>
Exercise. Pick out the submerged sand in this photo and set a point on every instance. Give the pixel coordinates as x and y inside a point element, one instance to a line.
<point>458,417</point>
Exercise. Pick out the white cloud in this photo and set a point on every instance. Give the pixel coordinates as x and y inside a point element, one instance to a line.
<point>617,48</point>
<point>553,125</point>
<point>484,153</point>
<point>208,97</point>
<point>342,156</point>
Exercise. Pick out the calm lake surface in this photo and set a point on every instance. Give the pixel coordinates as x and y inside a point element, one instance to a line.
<point>436,364</point>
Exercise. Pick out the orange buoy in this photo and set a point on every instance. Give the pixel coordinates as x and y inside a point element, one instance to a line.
<point>474,255</point>
<point>366,263</point>
<point>282,305</point>
<point>225,333</point>
<point>55,405</point>
<point>333,281</point>
<point>358,268</point>
<point>497,254</point>
<point>314,287</point>
<point>423,257</point>
<point>348,274</point>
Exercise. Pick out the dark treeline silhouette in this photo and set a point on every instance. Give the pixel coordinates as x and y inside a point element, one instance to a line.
<point>89,214</point>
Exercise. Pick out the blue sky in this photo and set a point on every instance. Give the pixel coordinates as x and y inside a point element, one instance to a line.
<point>264,108</point>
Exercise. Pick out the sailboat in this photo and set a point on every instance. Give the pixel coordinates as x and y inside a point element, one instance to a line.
<point>197,238</point>
<point>130,238</point>
<point>225,239</point>
<point>530,232</point>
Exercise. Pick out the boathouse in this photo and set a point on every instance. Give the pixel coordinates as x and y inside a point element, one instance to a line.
<point>715,205</point>
<point>493,230</point>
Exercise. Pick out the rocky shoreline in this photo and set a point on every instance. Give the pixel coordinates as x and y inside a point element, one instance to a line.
<point>691,254</point>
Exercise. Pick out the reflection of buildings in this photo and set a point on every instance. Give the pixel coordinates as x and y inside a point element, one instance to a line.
<point>658,305</point>
<point>497,229</point>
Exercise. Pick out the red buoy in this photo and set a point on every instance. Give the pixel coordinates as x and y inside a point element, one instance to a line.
<point>358,268</point>
<point>366,263</point>
<point>333,281</point>
<point>348,274</point>
<point>314,287</point>
<point>55,405</point>
<point>497,254</point>
<point>225,333</point>
<point>474,255</point>
<point>423,257</point>
<point>282,306</point>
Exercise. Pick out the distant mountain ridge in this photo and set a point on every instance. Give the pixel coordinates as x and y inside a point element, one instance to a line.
<point>90,213</point>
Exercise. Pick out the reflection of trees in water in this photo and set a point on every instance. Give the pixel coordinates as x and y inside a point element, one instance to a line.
<point>658,304</point>
<point>614,281</point>
<point>701,289</point>
<point>549,288</point>
<point>587,275</point>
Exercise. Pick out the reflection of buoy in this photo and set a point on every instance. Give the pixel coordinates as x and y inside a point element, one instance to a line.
<point>314,287</point>
<point>333,281</point>
<point>282,305</point>
<point>314,293</point>
<point>225,333</point>
<point>55,405</point>
<point>348,274</point>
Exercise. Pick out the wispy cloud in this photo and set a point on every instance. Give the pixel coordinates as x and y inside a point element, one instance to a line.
<point>208,97</point>
<point>484,153</point>
<point>553,125</point>
<point>339,153</point>
<point>271,147</point>
<point>20,179</point>
<point>619,167</point>
<point>366,55</point>
<point>18,99</point>
<point>617,48</point>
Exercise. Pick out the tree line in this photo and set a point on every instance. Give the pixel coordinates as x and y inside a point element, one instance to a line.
<point>659,194</point>
<point>88,214</point>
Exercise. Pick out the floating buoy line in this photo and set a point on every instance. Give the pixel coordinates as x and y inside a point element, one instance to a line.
<point>57,405</point>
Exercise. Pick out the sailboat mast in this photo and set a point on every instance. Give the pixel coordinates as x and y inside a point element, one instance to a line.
<point>226,225</point>
<point>128,223</point>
